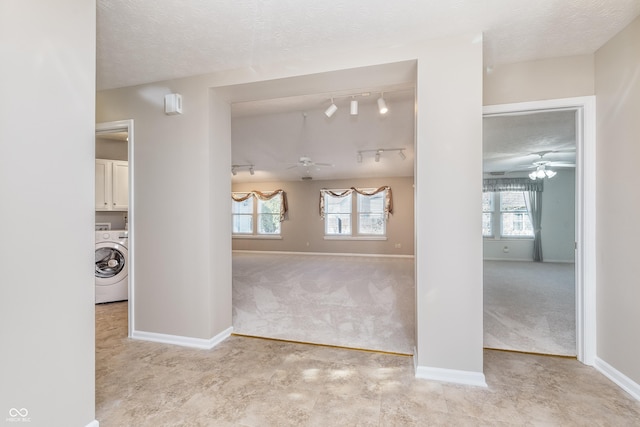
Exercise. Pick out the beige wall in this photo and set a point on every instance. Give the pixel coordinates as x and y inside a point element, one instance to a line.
<point>304,225</point>
<point>183,272</point>
<point>618,201</point>
<point>553,78</point>
<point>47,131</point>
<point>111,149</point>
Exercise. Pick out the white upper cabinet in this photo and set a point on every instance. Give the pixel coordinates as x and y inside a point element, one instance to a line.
<point>112,185</point>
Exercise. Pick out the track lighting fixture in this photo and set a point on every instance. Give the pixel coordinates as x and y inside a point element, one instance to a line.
<point>354,104</point>
<point>379,151</point>
<point>332,109</point>
<point>382,106</point>
<point>235,168</point>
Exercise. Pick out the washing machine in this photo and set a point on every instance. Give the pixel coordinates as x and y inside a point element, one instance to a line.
<point>112,266</point>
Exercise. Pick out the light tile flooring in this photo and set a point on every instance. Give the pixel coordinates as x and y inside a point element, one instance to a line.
<point>256,382</point>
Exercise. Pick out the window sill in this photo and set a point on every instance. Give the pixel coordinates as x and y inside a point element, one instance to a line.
<point>355,237</point>
<point>257,236</point>
<point>504,239</point>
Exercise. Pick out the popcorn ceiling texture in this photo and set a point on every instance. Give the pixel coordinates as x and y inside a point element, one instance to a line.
<point>148,40</point>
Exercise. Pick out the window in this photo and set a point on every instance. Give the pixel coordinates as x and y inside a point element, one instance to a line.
<point>515,221</point>
<point>257,213</point>
<point>514,217</point>
<point>269,215</point>
<point>371,214</point>
<point>337,220</point>
<point>365,214</point>
<point>487,214</point>
<point>242,215</point>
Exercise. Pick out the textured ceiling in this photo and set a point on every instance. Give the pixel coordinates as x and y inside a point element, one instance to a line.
<point>145,41</point>
<point>512,142</point>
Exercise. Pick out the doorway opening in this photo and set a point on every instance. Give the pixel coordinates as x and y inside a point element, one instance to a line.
<point>115,209</point>
<point>583,109</point>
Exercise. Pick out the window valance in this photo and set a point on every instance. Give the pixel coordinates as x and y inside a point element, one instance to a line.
<point>388,202</point>
<point>284,208</point>
<point>511,184</point>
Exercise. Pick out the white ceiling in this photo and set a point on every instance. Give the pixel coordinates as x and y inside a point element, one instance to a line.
<point>512,142</point>
<point>147,41</point>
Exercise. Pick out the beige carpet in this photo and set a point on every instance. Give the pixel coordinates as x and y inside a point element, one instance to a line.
<point>530,306</point>
<point>359,302</point>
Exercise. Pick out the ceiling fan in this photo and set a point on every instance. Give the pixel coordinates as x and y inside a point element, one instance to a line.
<point>306,162</point>
<point>549,163</point>
<point>542,166</point>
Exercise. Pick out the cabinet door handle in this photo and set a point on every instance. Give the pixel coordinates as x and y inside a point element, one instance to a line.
<point>114,203</point>
<point>105,203</point>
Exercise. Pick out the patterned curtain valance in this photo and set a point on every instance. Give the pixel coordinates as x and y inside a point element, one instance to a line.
<point>284,208</point>
<point>388,201</point>
<point>511,184</point>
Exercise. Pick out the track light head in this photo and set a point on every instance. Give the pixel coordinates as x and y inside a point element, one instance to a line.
<point>251,171</point>
<point>354,106</point>
<point>234,172</point>
<point>382,106</point>
<point>378,155</point>
<point>331,110</point>
<point>401,154</point>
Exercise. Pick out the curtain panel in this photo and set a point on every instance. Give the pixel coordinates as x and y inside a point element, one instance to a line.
<point>284,207</point>
<point>511,184</point>
<point>388,202</point>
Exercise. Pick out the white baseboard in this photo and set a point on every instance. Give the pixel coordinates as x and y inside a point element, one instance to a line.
<point>322,253</point>
<point>94,423</point>
<point>626,383</point>
<point>205,344</point>
<point>451,376</point>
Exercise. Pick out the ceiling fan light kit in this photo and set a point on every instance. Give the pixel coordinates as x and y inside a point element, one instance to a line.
<point>541,172</point>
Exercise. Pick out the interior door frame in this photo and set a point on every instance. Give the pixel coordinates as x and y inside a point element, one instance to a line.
<point>122,126</point>
<point>585,245</point>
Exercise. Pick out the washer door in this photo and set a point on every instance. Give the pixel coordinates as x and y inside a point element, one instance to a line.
<point>112,263</point>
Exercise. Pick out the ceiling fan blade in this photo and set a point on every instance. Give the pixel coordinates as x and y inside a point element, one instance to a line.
<point>562,165</point>
<point>326,165</point>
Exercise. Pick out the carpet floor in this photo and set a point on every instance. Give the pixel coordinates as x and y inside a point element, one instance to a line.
<point>369,302</point>
<point>357,302</point>
<point>530,306</point>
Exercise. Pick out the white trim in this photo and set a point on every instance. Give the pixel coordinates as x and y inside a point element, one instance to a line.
<point>626,383</point>
<point>119,126</point>
<point>509,259</point>
<point>257,236</point>
<point>585,209</point>
<point>322,253</point>
<point>183,341</point>
<point>451,376</point>
<point>556,261</point>
<point>93,423</point>
<point>348,238</point>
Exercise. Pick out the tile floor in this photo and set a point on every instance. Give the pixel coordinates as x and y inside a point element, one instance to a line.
<point>255,382</point>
